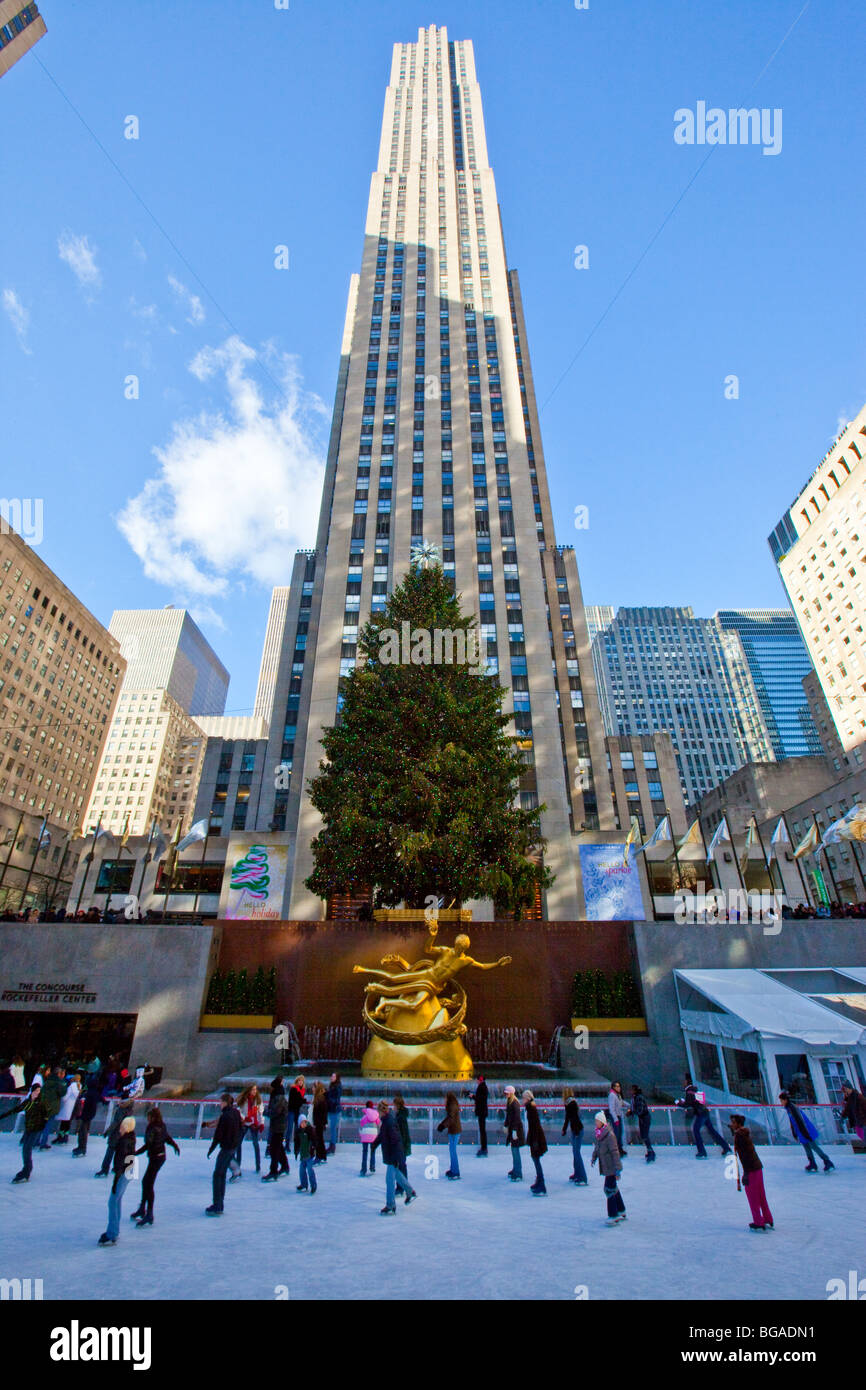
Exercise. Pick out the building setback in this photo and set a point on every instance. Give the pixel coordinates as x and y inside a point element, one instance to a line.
<point>21,26</point>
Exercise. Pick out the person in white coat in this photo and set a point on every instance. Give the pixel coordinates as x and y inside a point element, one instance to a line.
<point>615,1113</point>
<point>67,1108</point>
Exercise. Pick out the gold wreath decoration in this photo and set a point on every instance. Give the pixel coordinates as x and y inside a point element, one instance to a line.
<point>446,1032</point>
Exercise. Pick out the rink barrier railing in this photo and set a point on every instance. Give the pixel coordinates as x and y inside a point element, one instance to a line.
<point>187,1119</point>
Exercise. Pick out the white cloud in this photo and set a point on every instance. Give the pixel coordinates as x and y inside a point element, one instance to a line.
<point>191,302</point>
<point>80,256</point>
<point>237,492</point>
<point>18,316</point>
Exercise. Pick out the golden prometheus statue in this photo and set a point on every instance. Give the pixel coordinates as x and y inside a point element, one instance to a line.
<point>416,1013</point>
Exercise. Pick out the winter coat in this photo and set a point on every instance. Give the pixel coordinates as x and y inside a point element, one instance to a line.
<point>572,1118</point>
<point>35,1117</point>
<point>481,1095</point>
<point>514,1132</point>
<point>67,1105</point>
<point>278,1112</point>
<point>7,1083</point>
<point>305,1141</point>
<point>229,1130</point>
<point>615,1105</point>
<point>389,1140</point>
<point>296,1099</point>
<point>320,1113</point>
<point>121,1112</point>
<point>606,1150</point>
<point>691,1103</point>
<point>403,1126</point>
<point>156,1136</point>
<point>854,1109</point>
<point>534,1132</point>
<point>452,1118</point>
<point>639,1107</point>
<point>123,1152</point>
<point>251,1115</point>
<point>92,1098</point>
<point>801,1126</point>
<point>52,1095</point>
<point>335,1098</point>
<point>745,1150</point>
<point>369,1126</point>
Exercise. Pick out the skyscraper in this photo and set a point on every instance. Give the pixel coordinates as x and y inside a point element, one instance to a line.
<point>777,661</point>
<point>435,436</point>
<point>820,548</point>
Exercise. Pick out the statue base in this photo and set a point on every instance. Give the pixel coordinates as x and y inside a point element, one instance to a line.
<point>426,1060</point>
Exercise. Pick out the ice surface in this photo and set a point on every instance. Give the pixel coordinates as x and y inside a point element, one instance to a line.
<point>687,1235</point>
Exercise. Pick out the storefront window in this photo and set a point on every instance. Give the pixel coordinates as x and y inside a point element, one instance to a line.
<point>744,1075</point>
<point>794,1077</point>
<point>709,1069</point>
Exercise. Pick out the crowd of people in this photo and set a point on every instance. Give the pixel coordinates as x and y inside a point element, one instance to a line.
<point>307,1125</point>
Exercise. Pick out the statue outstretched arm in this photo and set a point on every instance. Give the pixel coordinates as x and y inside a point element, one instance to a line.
<point>479,965</point>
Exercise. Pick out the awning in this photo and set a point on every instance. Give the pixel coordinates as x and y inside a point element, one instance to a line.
<point>769,1008</point>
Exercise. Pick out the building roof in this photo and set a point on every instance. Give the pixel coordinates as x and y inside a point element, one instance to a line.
<point>764,1005</point>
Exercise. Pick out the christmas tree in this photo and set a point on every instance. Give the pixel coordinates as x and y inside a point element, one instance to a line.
<point>418,789</point>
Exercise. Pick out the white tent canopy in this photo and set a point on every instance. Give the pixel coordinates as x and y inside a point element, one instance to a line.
<point>765,1006</point>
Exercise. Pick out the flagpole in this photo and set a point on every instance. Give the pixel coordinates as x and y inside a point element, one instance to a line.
<point>114,864</point>
<point>709,863</point>
<point>88,860</point>
<point>676,856</point>
<point>33,860</point>
<point>12,845</point>
<point>201,870</point>
<point>60,872</point>
<point>145,861</point>
<point>768,862</point>
<point>853,844</point>
<point>826,859</point>
<point>171,858</point>
<point>803,879</point>
<point>740,874</point>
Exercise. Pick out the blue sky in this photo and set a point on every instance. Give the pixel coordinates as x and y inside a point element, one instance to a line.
<point>259,127</point>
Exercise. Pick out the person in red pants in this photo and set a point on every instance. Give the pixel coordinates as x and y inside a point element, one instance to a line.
<point>753,1175</point>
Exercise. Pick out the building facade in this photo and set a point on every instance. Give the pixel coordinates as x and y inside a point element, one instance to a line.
<point>778,662</point>
<point>435,437</point>
<point>21,26</point>
<point>820,549</point>
<point>60,676</point>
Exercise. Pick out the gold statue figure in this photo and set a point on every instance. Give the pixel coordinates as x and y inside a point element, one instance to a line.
<point>416,1013</point>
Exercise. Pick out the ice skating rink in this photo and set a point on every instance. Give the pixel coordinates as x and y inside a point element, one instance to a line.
<point>686,1236</point>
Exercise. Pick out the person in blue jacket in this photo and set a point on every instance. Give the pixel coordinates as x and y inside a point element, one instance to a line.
<point>805,1133</point>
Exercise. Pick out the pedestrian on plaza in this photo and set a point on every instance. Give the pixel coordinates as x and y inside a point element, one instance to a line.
<point>368,1132</point>
<point>401,1115</point>
<point>452,1124</point>
<point>615,1112</point>
<point>335,1110</point>
<point>67,1108</point>
<point>226,1138</point>
<point>278,1113</point>
<point>33,1107</point>
<point>320,1119</point>
<point>306,1155</point>
<point>606,1153</point>
<point>17,1070</point>
<point>515,1135</point>
<point>122,1111</point>
<point>806,1134</point>
<point>52,1098</point>
<point>640,1111</point>
<point>91,1100</point>
<point>572,1125</point>
<point>394,1158</point>
<point>481,1111</point>
<point>296,1105</point>
<point>122,1161</point>
<point>854,1109</point>
<point>536,1141</point>
<point>753,1175</point>
<point>250,1107</point>
<point>697,1112</point>
<point>156,1136</point>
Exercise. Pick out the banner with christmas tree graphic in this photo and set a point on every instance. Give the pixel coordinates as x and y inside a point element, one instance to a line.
<point>254,880</point>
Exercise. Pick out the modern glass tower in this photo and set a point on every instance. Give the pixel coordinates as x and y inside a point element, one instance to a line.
<point>435,437</point>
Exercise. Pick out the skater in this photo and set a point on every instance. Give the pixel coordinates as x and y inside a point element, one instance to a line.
<point>394,1159</point>
<point>514,1133</point>
<point>606,1151</point>
<point>226,1137</point>
<point>401,1114</point>
<point>320,1119</point>
<point>452,1124</point>
<point>753,1175</point>
<point>122,1160</point>
<point>250,1108</point>
<point>52,1097</point>
<point>573,1125</point>
<point>122,1111</point>
<point>700,1115</point>
<point>536,1141</point>
<point>67,1108</point>
<point>156,1136</point>
<point>296,1104</point>
<point>806,1134</point>
<point>92,1098</point>
<point>335,1110</point>
<point>34,1123</point>
<point>615,1112</point>
<point>306,1155</point>
<point>854,1109</point>
<point>368,1132</point>
<point>481,1109</point>
<point>278,1111</point>
<point>640,1111</point>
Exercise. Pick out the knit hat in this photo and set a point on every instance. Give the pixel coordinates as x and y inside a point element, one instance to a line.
<point>600,1118</point>
<point>509,1091</point>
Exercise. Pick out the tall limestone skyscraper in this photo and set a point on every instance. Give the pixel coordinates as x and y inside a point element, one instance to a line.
<point>435,437</point>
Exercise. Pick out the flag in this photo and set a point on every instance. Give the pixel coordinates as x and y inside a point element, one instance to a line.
<point>44,836</point>
<point>751,832</point>
<point>721,833</point>
<point>780,835</point>
<point>854,824</point>
<point>158,842</point>
<point>198,832</point>
<point>103,834</point>
<point>692,836</point>
<point>124,834</point>
<point>661,832</point>
<point>632,838</point>
<point>809,842</point>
